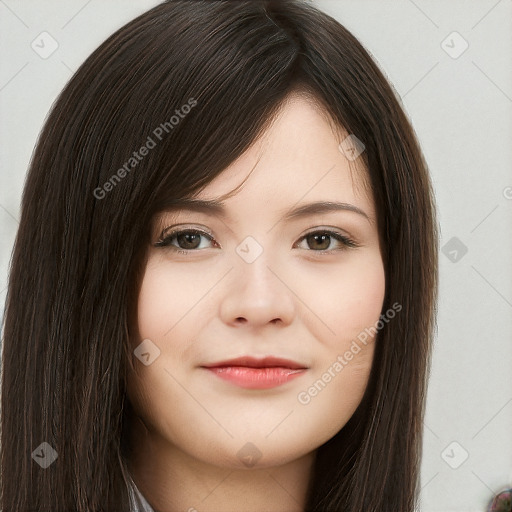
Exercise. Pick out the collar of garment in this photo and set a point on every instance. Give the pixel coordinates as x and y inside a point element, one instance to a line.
<point>137,501</point>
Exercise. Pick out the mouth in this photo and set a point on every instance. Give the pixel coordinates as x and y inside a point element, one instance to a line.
<point>253,373</point>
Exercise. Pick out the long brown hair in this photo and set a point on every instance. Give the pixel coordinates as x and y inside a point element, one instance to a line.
<point>84,231</point>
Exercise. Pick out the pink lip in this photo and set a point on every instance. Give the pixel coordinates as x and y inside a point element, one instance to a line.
<point>252,373</point>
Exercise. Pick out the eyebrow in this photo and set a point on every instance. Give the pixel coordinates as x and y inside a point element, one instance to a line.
<point>218,208</point>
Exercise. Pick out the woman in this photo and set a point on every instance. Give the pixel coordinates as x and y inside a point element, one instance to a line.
<point>223,287</point>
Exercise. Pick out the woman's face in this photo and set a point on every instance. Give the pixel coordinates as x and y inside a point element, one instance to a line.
<point>259,282</point>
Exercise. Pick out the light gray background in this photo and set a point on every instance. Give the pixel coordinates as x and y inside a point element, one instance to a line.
<point>461,111</point>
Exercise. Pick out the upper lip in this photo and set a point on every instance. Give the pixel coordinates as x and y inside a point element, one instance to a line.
<point>255,362</point>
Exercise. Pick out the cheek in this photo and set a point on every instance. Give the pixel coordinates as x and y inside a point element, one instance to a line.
<point>350,313</point>
<point>328,402</point>
<point>346,301</point>
<point>172,302</point>
<point>163,300</point>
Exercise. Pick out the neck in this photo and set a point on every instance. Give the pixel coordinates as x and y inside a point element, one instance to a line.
<point>172,480</point>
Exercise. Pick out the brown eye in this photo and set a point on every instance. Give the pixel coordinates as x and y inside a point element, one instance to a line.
<point>186,240</point>
<point>320,241</point>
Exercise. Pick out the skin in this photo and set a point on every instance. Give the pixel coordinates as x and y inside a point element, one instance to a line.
<point>292,302</point>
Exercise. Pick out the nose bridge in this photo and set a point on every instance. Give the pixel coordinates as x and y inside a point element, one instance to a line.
<point>255,269</point>
<point>256,293</point>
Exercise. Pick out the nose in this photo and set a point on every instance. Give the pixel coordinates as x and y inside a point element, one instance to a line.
<point>256,294</point>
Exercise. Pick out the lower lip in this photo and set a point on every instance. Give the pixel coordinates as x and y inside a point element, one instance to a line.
<point>257,378</point>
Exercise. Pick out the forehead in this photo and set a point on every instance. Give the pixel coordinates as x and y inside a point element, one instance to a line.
<point>300,155</point>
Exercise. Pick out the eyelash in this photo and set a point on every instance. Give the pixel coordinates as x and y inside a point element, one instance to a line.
<point>166,241</point>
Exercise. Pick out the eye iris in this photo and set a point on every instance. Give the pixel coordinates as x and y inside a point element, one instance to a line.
<point>323,238</point>
<point>185,238</point>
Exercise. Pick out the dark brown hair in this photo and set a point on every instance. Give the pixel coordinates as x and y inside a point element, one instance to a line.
<point>83,236</point>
